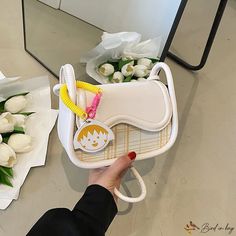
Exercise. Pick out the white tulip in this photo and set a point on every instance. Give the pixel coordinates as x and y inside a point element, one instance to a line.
<point>0,138</point>
<point>127,70</point>
<point>7,122</point>
<point>20,143</point>
<point>20,120</point>
<point>126,58</point>
<point>145,62</point>
<point>141,79</point>
<point>15,104</point>
<point>140,71</point>
<point>131,63</point>
<point>7,156</point>
<point>106,69</point>
<point>133,80</point>
<point>118,77</point>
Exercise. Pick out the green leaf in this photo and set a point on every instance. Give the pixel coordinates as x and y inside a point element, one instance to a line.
<point>110,77</point>
<point>5,139</point>
<point>18,130</point>
<point>115,64</point>
<point>134,77</point>
<point>2,106</point>
<point>26,113</point>
<point>5,135</point>
<point>123,62</point>
<point>128,78</point>
<point>4,179</point>
<point>154,60</point>
<point>7,171</point>
<point>19,94</point>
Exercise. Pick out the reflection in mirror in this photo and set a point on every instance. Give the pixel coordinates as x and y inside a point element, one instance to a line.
<point>55,36</point>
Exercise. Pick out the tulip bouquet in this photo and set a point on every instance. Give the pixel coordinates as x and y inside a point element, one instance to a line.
<point>13,139</point>
<point>122,57</point>
<point>127,69</point>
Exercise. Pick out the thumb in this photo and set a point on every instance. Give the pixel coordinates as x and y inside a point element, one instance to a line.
<point>121,165</point>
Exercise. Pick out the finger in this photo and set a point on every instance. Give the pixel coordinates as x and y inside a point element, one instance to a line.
<point>121,165</point>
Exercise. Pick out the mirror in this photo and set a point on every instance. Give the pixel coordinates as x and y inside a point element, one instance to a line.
<point>60,31</point>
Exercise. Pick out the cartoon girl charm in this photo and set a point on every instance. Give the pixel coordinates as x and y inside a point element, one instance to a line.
<point>92,136</point>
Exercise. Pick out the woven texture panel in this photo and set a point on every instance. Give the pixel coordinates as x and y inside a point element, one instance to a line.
<point>129,138</point>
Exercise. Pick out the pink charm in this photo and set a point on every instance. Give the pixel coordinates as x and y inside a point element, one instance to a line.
<point>91,111</point>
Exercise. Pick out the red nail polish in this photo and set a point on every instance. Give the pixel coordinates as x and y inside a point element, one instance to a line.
<point>132,155</point>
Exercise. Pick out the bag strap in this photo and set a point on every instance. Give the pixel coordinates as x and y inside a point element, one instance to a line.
<point>142,186</point>
<point>154,76</point>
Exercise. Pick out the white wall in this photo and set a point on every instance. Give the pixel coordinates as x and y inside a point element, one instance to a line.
<point>52,3</point>
<point>149,17</point>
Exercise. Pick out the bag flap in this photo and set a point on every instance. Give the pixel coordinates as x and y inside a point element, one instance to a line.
<point>145,105</point>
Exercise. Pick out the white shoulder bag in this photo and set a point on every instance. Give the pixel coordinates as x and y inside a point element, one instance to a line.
<point>142,116</point>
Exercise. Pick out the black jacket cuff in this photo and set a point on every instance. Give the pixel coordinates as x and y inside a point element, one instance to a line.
<point>99,204</point>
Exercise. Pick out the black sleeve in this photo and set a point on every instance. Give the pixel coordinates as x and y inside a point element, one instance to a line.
<point>91,216</point>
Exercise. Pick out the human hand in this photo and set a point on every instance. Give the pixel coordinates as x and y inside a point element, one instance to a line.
<point>110,177</point>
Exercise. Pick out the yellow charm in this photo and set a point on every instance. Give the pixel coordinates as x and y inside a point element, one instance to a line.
<point>92,136</point>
